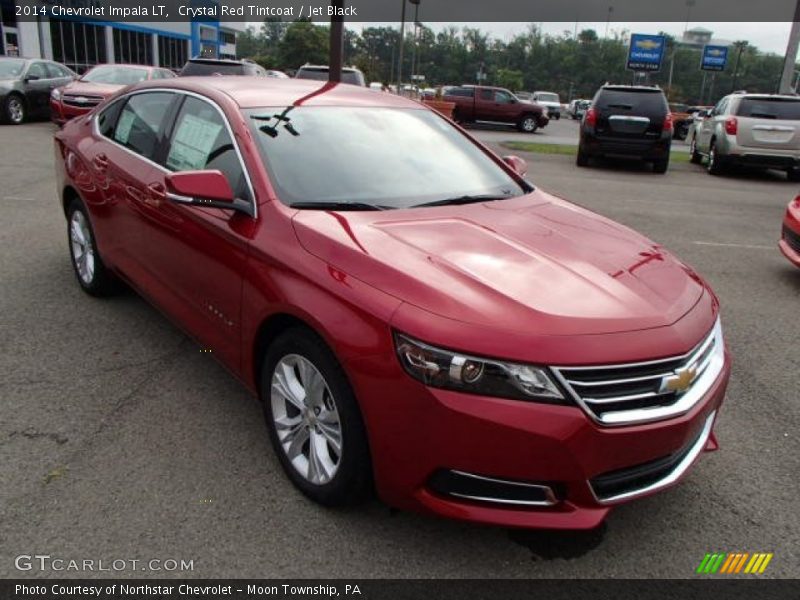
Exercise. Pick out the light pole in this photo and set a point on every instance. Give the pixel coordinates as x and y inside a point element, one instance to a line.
<point>402,43</point>
<point>416,4</point>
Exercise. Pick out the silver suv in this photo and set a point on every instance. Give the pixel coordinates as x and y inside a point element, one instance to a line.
<point>759,130</point>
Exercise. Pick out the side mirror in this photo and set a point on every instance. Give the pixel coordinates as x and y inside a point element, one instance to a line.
<point>519,165</point>
<point>204,188</point>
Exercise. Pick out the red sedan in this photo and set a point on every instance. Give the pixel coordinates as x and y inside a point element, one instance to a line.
<point>415,316</point>
<point>790,238</point>
<point>98,83</point>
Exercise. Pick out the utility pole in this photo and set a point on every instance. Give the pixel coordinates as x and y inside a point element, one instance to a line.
<point>791,53</point>
<point>336,43</point>
<point>402,43</point>
<point>414,47</point>
<point>740,45</point>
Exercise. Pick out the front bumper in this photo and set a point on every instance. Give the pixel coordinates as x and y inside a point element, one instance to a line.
<point>60,113</point>
<point>417,432</point>
<point>789,243</point>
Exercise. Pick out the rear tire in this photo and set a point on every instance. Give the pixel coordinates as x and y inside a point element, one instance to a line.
<point>93,276</point>
<point>582,159</point>
<point>527,124</point>
<point>714,165</point>
<point>694,156</point>
<point>314,420</point>
<point>793,174</point>
<point>661,166</point>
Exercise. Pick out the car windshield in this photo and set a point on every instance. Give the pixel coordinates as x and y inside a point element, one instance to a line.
<point>372,156</point>
<point>547,97</point>
<point>770,108</point>
<point>11,68</point>
<point>115,75</point>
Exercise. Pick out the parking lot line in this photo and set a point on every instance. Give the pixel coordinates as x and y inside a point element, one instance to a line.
<point>726,245</point>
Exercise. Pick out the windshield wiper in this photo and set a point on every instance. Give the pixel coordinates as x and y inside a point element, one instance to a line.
<point>465,200</point>
<point>337,206</point>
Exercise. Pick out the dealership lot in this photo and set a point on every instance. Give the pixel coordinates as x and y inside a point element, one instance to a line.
<point>120,439</point>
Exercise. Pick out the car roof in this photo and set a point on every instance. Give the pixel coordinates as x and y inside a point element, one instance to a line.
<point>631,88</point>
<point>766,96</point>
<point>255,92</point>
<point>126,66</point>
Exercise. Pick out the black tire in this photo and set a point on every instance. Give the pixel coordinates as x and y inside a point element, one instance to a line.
<point>715,166</point>
<point>352,481</point>
<point>661,166</point>
<point>14,109</point>
<point>694,156</point>
<point>527,123</point>
<point>793,174</point>
<point>97,280</point>
<point>582,159</point>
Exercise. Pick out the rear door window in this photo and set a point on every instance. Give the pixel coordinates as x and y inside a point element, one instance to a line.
<point>140,125</point>
<point>769,108</point>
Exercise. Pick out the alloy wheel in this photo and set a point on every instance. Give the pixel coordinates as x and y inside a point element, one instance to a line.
<point>82,249</point>
<point>306,419</point>
<point>16,110</point>
<point>528,124</point>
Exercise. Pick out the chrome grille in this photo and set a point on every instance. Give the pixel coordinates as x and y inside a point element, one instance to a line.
<point>647,391</point>
<point>78,100</point>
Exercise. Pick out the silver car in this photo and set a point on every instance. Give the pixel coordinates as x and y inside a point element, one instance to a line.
<point>759,130</point>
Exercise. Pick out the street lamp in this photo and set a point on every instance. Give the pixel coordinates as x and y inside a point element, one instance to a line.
<point>417,25</point>
<point>402,42</point>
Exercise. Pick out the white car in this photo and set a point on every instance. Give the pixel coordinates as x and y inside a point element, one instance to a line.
<point>550,101</point>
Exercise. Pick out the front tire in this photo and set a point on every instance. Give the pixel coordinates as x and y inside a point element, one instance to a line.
<point>14,109</point>
<point>93,276</point>
<point>314,420</point>
<point>793,174</point>
<point>528,124</point>
<point>694,156</point>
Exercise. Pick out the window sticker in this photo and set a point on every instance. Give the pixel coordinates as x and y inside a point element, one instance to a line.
<point>124,125</point>
<point>192,144</point>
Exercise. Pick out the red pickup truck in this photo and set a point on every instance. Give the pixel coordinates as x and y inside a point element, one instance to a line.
<point>482,103</point>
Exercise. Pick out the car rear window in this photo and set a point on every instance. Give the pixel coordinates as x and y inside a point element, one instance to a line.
<point>784,109</point>
<point>351,77</point>
<point>635,100</point>
<point>211,68</point>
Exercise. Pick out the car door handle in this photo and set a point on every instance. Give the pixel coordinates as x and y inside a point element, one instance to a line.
<point>156,194</point>
<point>100,162</point>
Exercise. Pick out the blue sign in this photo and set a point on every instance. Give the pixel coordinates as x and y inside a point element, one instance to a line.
<point>646,52</point>
<point>714,58</point>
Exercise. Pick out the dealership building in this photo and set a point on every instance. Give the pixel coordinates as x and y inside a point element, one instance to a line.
<point>81,43</point>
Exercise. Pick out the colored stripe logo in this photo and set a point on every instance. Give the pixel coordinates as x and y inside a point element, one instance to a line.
<point>732,563</point>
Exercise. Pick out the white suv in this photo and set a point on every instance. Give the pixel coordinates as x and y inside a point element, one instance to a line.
<point>759,130</point>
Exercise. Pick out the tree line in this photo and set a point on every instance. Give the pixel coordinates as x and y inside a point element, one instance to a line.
<point>573,66</point>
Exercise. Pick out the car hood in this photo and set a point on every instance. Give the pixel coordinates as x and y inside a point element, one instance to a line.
<point>87,88</point>
<point>536,261</point>
<point>548,103</point>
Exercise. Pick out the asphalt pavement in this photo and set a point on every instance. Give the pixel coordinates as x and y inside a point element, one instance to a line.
<point>121,440</point>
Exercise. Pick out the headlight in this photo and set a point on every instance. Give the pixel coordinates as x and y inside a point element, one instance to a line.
<point>440,368</point>
<point>55,94</point>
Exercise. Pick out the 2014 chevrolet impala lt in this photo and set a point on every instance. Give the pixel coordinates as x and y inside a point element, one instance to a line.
<point>415,316</point>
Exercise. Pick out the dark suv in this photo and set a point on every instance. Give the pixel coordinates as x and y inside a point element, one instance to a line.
<point>219,66</point>
<point>630,122</point>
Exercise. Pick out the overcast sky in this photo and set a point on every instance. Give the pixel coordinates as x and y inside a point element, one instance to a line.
<point>768,37</point>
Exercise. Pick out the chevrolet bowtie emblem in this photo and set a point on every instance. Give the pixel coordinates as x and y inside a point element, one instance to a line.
<point>681,381</point>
